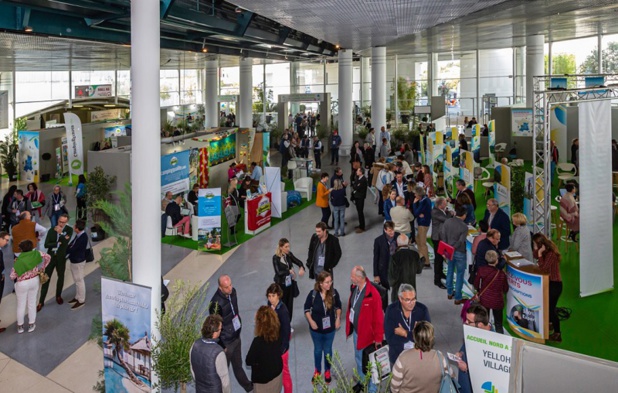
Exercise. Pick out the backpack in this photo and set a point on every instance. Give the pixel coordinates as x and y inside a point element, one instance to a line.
<point>447,384</point>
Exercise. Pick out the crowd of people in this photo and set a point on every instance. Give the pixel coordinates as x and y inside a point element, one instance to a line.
<point>38,251</point>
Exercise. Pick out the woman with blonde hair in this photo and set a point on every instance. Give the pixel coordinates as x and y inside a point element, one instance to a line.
<point>520,239</point>
<point>323,312</point>
<point>264,356</point>
<point>285,276</point>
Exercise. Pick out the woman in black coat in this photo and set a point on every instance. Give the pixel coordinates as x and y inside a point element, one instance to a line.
<point>356,155</point>
<point>6,206</point>
<point>285,276</point>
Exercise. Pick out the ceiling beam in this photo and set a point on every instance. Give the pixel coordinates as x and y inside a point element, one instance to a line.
<point>243,21</point>
<point>166,5</point>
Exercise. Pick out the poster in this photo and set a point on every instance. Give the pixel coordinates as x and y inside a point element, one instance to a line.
<point>449,172</point>
<point>502,187</point>
<point>175,173</point>
<point>521,122</point>
<point>209,219</point>
<point>119,130</point>
<point>74,141</point>
<point>28,156</point>
<point>127,341</point>
<point>475,142</point>
<point>466,168</point>
<point>222,150</point>
<point>529,200</point>
<point>266,149</point>
<point>108,114</point>
<point>489,359</point>
<point>93,91</point>
<point>492,142</point>
<point>526,303</point>
<point>258,213</point>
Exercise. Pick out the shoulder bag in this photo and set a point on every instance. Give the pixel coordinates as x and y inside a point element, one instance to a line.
<point>476,298</point>
<point>89,251</point>
<point>447,384</point>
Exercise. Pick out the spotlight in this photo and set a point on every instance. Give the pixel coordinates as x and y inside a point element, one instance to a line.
<point>28,29</point>
<point>337,46</point>
<point>239,10</point>
<point>204,50</point>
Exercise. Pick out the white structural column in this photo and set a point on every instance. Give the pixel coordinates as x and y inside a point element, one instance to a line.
<point>245,118</point>
<point>146,153</point>
<point>365,81</point>
<point>378,89</point>
<point>434,73</point>
<point>346,125</point>
<point>534,64</point>
<point>212,91</point>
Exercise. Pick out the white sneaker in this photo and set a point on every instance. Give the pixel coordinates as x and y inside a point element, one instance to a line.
<point>20,329</point>
<point>291,330</point>
<point>31,327</point>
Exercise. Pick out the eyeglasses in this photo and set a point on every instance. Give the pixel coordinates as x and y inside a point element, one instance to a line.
<point>469,322</point>
<point>7,239</point>
<point>405,300</point>
<point>62,222</point>
<point>327,282</point>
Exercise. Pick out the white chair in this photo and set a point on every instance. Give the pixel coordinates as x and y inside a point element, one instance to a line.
<point>292,167</point>
<point>499,149</point>
<point>284,198</point>
<point>169,228</point>
<point>566,171</point>
<point>487,182</point>
<point>304,185</point>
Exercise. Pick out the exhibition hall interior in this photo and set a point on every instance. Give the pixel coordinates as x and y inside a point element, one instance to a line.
<point>453,165</point>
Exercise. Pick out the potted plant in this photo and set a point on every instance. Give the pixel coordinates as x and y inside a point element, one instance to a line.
<point>99,186</point>
<point>406,96</point>
<point>9,148</point>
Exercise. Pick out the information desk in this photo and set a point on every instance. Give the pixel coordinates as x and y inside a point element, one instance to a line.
<point>527,301</point>
<point>257,213</point>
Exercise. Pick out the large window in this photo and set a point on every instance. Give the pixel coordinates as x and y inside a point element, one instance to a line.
<point>37,90</point>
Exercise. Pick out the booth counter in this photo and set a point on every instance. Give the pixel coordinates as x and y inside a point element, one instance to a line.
<point>527,301</point>
<point>258,213</point>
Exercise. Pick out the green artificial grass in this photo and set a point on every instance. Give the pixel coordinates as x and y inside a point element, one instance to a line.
<point>63,181</point>
<point>241,236</point>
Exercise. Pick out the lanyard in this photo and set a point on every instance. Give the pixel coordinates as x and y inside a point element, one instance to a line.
<point>358,292</point>
<point>56,199</point>
<point>324,305</point>
<point>408,321</point>
<point>229,298</point>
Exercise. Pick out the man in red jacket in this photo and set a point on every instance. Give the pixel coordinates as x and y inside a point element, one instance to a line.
<point>364,318</point>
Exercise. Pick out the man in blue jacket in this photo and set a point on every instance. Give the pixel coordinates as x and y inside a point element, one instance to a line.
<point>498,219</point>
<point>335,142</point>
<point>384,246</point>
<point>421,208</point>
<point>76,252</point>
<point>400,319</point>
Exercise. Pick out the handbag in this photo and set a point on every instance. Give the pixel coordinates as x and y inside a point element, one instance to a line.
<point>347,203</point>
<point>89,252</point>
<point>475,299</point>
<point>295,289</point>
<point>447,384</point>
<point>43,277</point>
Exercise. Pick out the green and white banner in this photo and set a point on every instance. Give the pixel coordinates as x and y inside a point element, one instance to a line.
<point>489,357</point>
<point>74,141</point>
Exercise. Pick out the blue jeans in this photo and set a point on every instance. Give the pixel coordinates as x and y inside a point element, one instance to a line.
<point>553,170</point>
<point>459,263</point>
<point>322,344</point>
<point>54,218</point>
<point>358,356</point>
<point>339,219</point>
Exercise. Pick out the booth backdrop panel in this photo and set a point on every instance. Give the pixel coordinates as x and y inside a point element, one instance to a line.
<point>175,173</point>
<point>558,131</point>
<point>29,156</point>
<point>504,134</point>
<point>115,163</point>
<point>595,188</point>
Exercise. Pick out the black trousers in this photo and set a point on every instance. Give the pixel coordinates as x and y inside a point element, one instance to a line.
<point>81,209</point>
<point>360,207</point>
<point>288,298</point>
<point>233,353</point>
<point>498,318</point>
<point>380,203</point>
<point>325,214</point>
<point>318,158</point>
<point>1,286</point>
<point>57,263</point>
<point>438,264</point>
<point>555,290</point>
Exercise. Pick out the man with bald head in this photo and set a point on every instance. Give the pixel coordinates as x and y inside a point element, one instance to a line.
<point>225,303</point>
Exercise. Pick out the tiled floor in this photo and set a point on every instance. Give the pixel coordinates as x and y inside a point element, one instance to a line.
<point>58,357</point>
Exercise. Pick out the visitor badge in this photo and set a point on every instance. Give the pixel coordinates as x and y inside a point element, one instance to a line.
<point>408,345</point>
<point>288,280</point>
<point>321,261</point>
<point>56,207</point>
<point>236,323</point>
<point>352,316</point>
<point>326,323</point>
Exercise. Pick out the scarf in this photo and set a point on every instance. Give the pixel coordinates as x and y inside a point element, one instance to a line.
<point>27,261</point>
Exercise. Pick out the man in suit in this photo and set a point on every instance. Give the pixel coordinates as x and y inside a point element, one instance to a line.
<point>4,240</point>
<point>439,214</point>
<point>76,252</point>
<point>56,243</point>
<point>384,246</point>
<point>498,219</point>
<point>359,194</point>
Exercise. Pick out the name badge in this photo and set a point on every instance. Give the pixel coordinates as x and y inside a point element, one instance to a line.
<point>288,280</point>
<point>236,323</point>
<point>56,207</point>
<point>321,261</point>
<point>352,316</point>
<point>408,345</point>
<point>326,323</point>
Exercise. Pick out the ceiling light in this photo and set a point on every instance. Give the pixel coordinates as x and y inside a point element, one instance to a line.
<point>109,105</point>
<point>337,46</point>
<point>28,29</point>
<point>239,10</point>
<point>78,106</point>
<point>204,50</point>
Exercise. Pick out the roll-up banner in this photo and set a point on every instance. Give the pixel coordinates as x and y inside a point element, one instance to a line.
<point>475,146</point>
<point>28,156</point>
<point>596,267</point>
<point>449,172</point>
<point>74,141</point>
<point>209,219</point>
<point>527,302</point>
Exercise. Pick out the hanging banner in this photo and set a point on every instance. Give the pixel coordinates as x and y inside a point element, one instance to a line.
<point>127,341</point>
<point>492,142</point>
<point>209,219</point>
<point>4,109</point>
<point>475,145</point>
<point>93,91</point>
<point>74,141</point>
<point>527,301</point>
<point>558,129</point>
<point>203,168</point>
<point>521,122</point>
<point>596,267</point>
<point>28,156</point>
<point>175,173</point>
<point>466,168</point>
<point>489,357</point>
<point>449,172</point>
<point>222,150</point>
<point>502,187</point>
<point>266,148</point>
<point>257,214</point>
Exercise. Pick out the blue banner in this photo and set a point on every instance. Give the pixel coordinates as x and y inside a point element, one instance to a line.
<point>175,173</point>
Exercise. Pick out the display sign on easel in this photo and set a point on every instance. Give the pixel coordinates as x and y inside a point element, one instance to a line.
<point>489,357</point>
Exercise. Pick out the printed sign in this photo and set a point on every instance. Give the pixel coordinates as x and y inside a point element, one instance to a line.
<point>466,168</point>
<point>28,156</point>
<point>527,302</point>
<point>258,214</point>
<point>109,114</point>
<point>175,173</point>
<point>209,219</point>
<point>521,122</point>
<point>489,357</point>
<point>127,341</point>
<point>502,187</point>
<point>222,150</point>
<point>93,91</point>
<point>119,130</point>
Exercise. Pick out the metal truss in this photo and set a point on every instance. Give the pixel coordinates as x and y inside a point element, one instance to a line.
<point>544,100</point>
